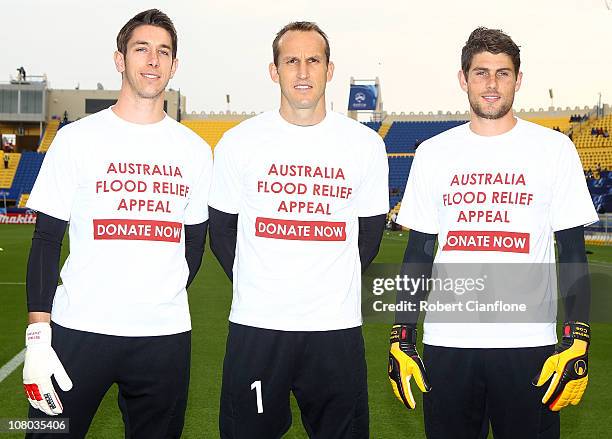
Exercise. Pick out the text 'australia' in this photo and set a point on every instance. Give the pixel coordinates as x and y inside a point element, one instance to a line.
<point>144,169</point>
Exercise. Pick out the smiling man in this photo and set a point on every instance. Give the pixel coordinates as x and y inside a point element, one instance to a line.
<point>133,184</point>
<point>297,211</point>
<point>473,372</point>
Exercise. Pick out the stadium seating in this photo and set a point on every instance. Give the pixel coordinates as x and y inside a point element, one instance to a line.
<point>562,123</point>
<point>594,150</point>
<point>374,125</point>
<point>23,200</point>
<point>601,191</point>
<point>402,136</point>
<point>399,168</point>
<point>592,157</point>
<point>6,128</point>
<point>210,130</point>
<point>26,174</point>
<point>584,138</point>
<point>384,129</point>
<point>7,175</point>
<point>50,132</point>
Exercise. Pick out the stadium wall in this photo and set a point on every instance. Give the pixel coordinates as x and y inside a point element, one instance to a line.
<point>75,102</point>
<point>550,112</point>
<point>421,116</point>
<point>221,115</point>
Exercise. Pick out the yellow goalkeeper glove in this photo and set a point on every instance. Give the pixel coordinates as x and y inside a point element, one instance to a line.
<point>568,367</point>
<point>405,363</point>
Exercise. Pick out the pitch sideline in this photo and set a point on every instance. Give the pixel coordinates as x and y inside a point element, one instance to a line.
<point>13,364</point>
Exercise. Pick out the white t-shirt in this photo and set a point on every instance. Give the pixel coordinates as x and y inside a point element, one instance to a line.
<point>496,199</point>
<point>298,192</point>
<point>127,190</point>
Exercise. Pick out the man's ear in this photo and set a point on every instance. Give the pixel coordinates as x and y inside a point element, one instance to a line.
<point>330,70</point>
<point>519,81</point>
<point>174,67</point>
<point>462,80</point>
<point>273,72</point>
<point>119,61</point>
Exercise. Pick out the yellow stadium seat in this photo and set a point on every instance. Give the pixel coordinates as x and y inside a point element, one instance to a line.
<point>384,129</point>
<point>50,132</point>
<point>7,175</point>
<point>594,150</point>
<point>210,130</point>
<point>550,122</point>
<point>592,157</point>
<point>23,200</point>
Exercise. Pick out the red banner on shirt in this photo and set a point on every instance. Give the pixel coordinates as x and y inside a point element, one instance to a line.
<point>300,230</point>
<point>487,241</point>
<point>138,230</point>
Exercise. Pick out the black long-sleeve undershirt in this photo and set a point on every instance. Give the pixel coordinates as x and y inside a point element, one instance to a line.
<point>43,262</point>
<point>44,259</point>
<point>195,240</point>
<point>574,279</point>
<point>417,263</point>
<point>371,229</point>
<point>223,235</point>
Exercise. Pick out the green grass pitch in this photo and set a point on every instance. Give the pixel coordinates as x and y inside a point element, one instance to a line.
<point>210,297</point>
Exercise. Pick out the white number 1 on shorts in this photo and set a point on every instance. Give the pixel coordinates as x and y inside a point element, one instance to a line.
<point>257,386</point>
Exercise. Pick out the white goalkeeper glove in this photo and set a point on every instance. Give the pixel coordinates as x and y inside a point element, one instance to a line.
<point>41,362</point>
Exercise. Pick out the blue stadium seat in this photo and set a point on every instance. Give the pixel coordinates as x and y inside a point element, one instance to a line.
<point>26,174</point>
<point>399,168</point>
<point>374,125</point>
<point>604,204</point>
<point>403,135</point>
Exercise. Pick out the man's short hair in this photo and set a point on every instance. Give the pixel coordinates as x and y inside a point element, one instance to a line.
<point>152,17</point>
<point>302,26</point>
<point>494,41</point>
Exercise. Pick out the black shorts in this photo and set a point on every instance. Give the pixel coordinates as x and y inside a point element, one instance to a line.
<point>152,374</point>
<point>326,371</point>
<point>470,386</point>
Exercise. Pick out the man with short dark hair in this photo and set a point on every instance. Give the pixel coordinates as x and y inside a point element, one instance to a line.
<point>502,191</point>
<point>138,221</point>
<point>297,211</point>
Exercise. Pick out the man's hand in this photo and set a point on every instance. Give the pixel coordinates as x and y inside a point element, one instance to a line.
<point>41,362</point>
<point>405,363</point>
<point>568,367</point>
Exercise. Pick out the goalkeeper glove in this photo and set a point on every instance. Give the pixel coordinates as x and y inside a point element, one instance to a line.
<point>41,362</point>
<point>405,363</point>
<point>568,367</point>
